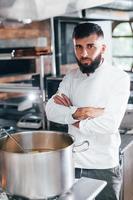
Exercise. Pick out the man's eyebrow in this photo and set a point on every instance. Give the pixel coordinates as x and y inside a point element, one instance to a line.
<point>86,44</point>
<point>91,43</point>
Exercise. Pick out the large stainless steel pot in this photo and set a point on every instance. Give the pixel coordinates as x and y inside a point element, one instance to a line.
<point>45,171</point>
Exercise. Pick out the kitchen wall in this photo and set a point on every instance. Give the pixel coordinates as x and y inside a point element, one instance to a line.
<point>11,31</point>
<point>14,35</point>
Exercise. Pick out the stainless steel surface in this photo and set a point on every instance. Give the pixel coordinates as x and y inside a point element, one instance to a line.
<point>37,53</point>
<point>16,142</point>
<point>9,56</point>
<point>17,87</point>
<point>37,175</point>
<point>126,5</point>
<point>5,56</point>
<point>43,9</point>
<point>82,189</point>
<point>54,71</point>
<point>42,90</point>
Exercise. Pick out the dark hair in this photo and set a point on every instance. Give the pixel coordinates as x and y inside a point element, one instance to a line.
<point>86,29</point>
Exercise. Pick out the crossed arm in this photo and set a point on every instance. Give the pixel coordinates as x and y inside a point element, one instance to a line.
<point>81,113</point>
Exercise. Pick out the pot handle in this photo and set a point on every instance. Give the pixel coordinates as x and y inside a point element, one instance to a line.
<point>76,147</point>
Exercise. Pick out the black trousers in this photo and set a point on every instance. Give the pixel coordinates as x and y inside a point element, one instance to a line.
<point>112,176</point>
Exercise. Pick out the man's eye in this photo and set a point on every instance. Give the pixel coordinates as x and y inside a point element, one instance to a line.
<point>78,47</point>
<point>89,46</point>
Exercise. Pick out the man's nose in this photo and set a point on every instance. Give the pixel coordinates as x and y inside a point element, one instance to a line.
<point>84,52</point>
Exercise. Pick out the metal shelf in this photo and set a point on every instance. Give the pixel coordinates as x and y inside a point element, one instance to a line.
<point>5,56</point>
<point>26,88</point>
<point>11,87</point>
<point>8,56</point>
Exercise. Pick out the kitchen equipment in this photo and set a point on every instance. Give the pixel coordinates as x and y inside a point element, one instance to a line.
<point>29,52</point>
<point>30,121</point>
<point>9,129</point>
<point>83,189</point>
<point>39,10</point>
<point>46,171</point>
<point>12,138</point>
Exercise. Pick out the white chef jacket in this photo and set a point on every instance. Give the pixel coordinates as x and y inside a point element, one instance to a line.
<point>108,87</point>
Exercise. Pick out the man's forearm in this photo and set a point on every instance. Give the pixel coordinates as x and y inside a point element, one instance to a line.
<point>59,113</point>
<point>80,113</point>
<point>87,112</point>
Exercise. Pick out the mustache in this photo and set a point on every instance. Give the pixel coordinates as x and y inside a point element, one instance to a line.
<point>85,59</point>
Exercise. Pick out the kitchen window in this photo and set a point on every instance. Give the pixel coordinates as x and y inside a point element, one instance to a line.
<point>123,45</point>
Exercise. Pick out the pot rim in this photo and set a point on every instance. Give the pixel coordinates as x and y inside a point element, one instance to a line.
<point>36,153</point>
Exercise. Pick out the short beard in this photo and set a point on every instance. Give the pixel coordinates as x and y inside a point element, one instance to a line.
<point>87,69</point>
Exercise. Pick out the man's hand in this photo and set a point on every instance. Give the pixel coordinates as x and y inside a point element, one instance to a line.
<point>62,100</point>
<point>87,112</point>
<point>76,124</point>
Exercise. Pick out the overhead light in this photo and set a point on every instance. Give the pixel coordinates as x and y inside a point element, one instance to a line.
<point>32,97</point>
<point>27,21</point>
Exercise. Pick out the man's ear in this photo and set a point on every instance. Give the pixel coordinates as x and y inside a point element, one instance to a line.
<point>103,48</point>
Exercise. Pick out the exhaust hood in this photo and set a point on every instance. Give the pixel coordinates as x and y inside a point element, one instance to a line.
<point>43,9</point>
<point>125,5</point>
<point>119,10</point>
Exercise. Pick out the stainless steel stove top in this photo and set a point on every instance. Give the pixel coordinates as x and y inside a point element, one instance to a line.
<point>83,189</point>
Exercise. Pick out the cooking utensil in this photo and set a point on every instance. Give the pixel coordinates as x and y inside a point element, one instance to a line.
<point>16,142</point>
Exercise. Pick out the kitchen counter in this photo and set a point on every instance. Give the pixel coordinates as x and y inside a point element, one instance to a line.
<point>86,189</point>
<point>127,166</point>
<point>126,142</point>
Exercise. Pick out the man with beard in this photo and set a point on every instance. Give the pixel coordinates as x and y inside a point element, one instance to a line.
<point>92,100</point>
